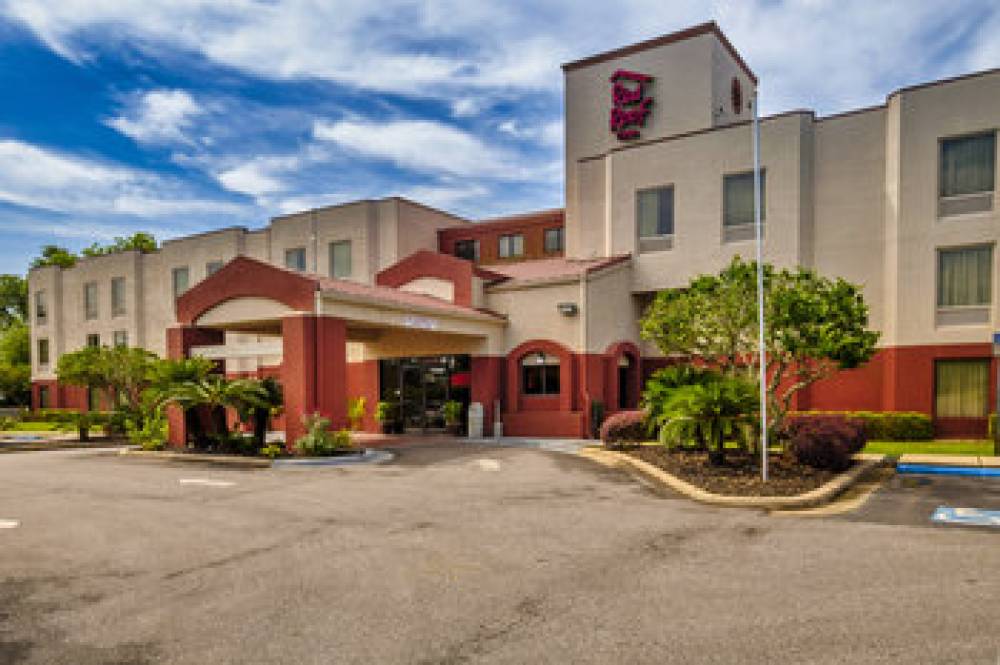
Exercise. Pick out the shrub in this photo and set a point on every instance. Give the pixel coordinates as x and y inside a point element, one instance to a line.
<point>271,450</point>
<point>663,381</point>
<point>151,435</point>
<point>624,428</point>
<point>452,412</point>
<point>319,440</point>
<point>385,411</point>
<point>884,425</point>
<point>356,407</point>
<point>825,442</point>
<point>716,408</point>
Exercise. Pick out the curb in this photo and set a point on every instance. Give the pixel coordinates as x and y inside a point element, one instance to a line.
<point>974,461</point>
<point>218,460</point>
<point>370,456</point>
<point>810,499</point>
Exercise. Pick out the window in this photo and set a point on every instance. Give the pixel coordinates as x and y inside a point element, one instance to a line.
<point>93,399</point>
<point>961,388</point>
<point>43,397</point>
<point>554,240</point>
<point>181,280</point>
<point>467,249</point>
<point>41,311</point>
<point>43,351</point>
<point>964,276</point>
<point>121,338</point>
<point>966,174</point>
<point>340,258</point>
<point>511,246</point>
<point>737,205</point>
<point>90,300</point>
<point>539,374</point>
<point>118,296</point>
<point>212,267</point>
<point>655,212</point>
<point>93,340</point>
<point>295,259</point>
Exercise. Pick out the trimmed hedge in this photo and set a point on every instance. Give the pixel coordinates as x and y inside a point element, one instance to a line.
<point>624,428</point>
<point>66,416</point>
<point>826,441</point>
<point>882,425</point>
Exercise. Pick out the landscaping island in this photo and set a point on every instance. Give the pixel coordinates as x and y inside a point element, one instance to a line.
<point>739,475</point>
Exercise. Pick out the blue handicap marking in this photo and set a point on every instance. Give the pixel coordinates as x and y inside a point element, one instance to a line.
<point>966,516</point>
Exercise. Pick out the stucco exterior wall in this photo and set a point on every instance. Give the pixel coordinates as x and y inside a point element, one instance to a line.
<point>532,313</point>
<point>926,115</point>
<point>611,314</point>
<point>695,166</point>
<point>850,189</point>
<point>682,102</point>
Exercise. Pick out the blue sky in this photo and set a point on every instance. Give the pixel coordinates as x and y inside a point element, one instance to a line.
<point>176,116</point>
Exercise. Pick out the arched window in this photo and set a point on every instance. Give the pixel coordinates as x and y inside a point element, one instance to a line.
<point>539,374</point>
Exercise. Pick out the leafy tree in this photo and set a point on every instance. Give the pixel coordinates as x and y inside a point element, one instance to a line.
<point>814,326</point>
<point>15,344</point>
<point>128,372</point>
<point>15,384</point>
<point>139,241</point>
<point>54,255</point>
<point>15,363</point>
<point>13,299</point>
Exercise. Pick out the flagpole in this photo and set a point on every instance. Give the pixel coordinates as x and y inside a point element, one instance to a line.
<point>760,289</point>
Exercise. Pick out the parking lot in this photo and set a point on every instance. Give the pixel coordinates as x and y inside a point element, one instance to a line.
<point>467,554</point>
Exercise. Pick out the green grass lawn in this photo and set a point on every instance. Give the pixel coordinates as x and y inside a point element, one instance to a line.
<point>40,427</point>
<point>936,447</point>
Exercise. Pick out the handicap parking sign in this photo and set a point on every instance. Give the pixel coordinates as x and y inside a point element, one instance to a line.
<point>966,516</point>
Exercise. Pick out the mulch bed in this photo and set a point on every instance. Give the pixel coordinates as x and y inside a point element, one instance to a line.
<point>740,476</point>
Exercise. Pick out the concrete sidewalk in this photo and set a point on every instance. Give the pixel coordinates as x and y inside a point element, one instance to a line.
<point>951,460</point>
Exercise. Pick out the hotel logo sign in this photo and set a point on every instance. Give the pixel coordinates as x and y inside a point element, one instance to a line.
<point>629,104</point>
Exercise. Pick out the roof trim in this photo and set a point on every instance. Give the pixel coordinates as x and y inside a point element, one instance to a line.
<point>709,27</point>
<point>551,216</point>
<point>950,79</point>
<point>695,132</point>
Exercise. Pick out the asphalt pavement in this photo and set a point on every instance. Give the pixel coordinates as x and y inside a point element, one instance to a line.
<point>465,554</point>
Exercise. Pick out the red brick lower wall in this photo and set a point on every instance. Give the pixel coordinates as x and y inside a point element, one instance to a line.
<point>901,379</point>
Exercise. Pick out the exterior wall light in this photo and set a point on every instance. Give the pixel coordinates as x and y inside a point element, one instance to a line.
<point>567,308</point>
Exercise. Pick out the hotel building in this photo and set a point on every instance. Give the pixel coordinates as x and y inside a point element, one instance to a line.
<point>534,317</point>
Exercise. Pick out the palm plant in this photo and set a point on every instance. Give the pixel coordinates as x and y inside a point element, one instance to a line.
<point>261,407</point>
<point>713,410</point>
<point>217,394</point>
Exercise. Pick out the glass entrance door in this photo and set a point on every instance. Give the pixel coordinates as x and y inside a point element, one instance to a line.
<point>418,388</point>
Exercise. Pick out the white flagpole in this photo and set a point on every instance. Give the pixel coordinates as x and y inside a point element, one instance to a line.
<point>760,288</point>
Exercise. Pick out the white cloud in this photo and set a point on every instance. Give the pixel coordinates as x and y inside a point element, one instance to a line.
<point>423,145</point>
<point>259,176</point>
<point>37,177</point>
<point>550,134</point>
<point>828,54</point>
<point>446,196</point>
<point>158,116</point>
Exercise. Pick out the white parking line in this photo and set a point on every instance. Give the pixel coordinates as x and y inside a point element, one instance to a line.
<point>9,524</point>
<point>206,482</point>
<point>489,465</point>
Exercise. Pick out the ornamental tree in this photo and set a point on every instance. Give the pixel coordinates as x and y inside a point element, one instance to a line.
<point>814,326</point>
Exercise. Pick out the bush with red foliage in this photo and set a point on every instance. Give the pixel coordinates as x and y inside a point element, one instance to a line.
<point>825,442</point>
<point>624,428</point>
